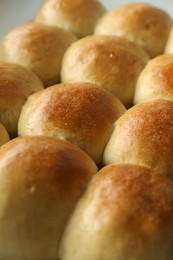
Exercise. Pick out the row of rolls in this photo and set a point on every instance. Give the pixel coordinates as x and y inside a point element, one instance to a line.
<point>86,134</point>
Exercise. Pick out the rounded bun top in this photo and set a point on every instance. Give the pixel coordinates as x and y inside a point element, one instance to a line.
<point>144,136</point>
<point>125,213</point>
<point>41,179</point>
<point>70,84</point>
<point>110,62</point>
<point>81,113</point>
<point>16,84</point>
<point>37,47</point>
<point>155,80</point>
<point>142,23</point>
<point>78,16</point>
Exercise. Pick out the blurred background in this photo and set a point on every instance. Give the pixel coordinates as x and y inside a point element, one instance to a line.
<point>16,12</point>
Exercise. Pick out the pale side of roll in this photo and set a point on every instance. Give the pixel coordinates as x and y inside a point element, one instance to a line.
<point>110,62</point>
<point>155,80</point>
<point>144,136</point>
<point>169,44</point>
<point>4,136</point>
<point>144,24</point>
<point>81,113</point>
<point>16,84</point>
<point>41,180</point>
<point>37,47</point>
<point>125,214</point>
<point>78,16</point>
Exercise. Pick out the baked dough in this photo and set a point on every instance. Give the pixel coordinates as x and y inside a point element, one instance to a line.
<point>41,179</point>
<point>126,213</point>
<point>110,62</point>
<point>78,16</point>
<point>81,113</point>
<point>144,24</point>
<point>144,136</point>
<point>155,80</point>
<point>4,136</point>
<point>37,47</point>
<point>16,84</point>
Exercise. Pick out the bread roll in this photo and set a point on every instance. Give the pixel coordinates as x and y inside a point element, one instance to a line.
<point>108,61</point>
<point>142,23</point>
<point>144,136</point>
<point>169,44</point>
<point>78,16</point>
<point>80,113</point>
<point>4,136</point>
<point>16,84</point>
<point>156,80</point>
<point>37,47</point>
<point>41,179</point>
<point>126,213</point>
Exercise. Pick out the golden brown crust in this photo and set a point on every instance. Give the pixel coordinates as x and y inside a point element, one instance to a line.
<point>16,84</point>
<point>41,179</point>
<point>126,213</point>
<point>38,47</point>
<point>81,113</point>
<point>78,16</point>
<point>142,23</point>
<point>108,61</point>
<point>155,81</point>
<point>144,136</point>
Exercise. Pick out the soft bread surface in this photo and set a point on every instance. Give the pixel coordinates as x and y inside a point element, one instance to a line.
<point>126,213</point>
<point>108,61</point>
<point>81,113</point>
<point>169,44</point>
<point>4,136</point>
<point>144,24</point>
<point>37,47</point>
<point>16,84</point>
<point>155,80</point>
<point>144,136</point>
<point>41,179</point>
<point>78,16</point>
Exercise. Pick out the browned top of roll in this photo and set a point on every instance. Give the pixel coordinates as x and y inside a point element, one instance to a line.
<point>78,16</point>
<point>144,136</point>
<point>142,23</point>
<point>155,80</point>
<point>126,213</point>
<point>38,47</point>
<point>81,113</point>
<point>41,179</point>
